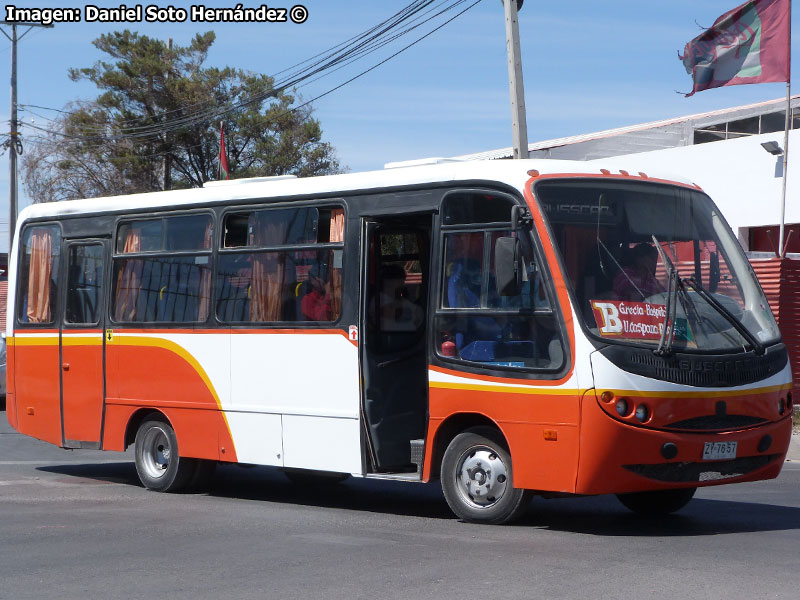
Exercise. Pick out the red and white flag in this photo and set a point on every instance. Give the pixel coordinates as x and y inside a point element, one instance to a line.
<point>749,44</point>
<point>222,170</point>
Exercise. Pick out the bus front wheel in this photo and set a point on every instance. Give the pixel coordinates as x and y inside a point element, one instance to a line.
<point>661,502</point>
<point>477,479</point>
<point>158,463</point>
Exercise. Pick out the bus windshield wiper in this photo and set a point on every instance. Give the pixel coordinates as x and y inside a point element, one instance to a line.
<point>673,282</point>
<point>758,347</point>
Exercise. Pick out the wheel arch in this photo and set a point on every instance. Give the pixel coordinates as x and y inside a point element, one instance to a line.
<point>454,425</point>
<point>139,417</point>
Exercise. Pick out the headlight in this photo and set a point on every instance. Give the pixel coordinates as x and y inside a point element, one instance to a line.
<point>622,407</point>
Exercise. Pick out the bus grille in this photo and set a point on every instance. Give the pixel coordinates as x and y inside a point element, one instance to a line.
<point>689,472</point>
<point>700,370</point>
<point>710,422</point>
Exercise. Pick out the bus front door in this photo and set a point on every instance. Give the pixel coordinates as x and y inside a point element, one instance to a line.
<point>82,344</point>
<point>393,350</point>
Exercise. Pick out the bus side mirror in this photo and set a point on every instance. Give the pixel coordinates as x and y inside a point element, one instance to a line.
<point>520,217</point>
<point>507,266</point>
<point>713,272</point>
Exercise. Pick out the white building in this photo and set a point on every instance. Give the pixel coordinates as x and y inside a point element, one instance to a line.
<point>721,151</point>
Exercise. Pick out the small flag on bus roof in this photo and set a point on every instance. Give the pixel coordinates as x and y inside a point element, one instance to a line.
<point>749,44</point>
<point>222,170</point>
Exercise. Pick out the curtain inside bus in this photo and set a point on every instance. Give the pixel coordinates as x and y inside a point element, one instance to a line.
<point>129,281</point>
<point>204,301</point>
<point>39,306</point>
<point>336,235</point>
<point>268,267</point>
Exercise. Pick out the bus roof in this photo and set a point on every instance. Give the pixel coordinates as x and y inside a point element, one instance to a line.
<point>510,172</point>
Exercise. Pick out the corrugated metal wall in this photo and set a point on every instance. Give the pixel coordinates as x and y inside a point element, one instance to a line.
<point>780,278</point>
<point>3,300</point>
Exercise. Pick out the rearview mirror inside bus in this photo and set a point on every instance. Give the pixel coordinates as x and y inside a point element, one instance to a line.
<point>507,266</point>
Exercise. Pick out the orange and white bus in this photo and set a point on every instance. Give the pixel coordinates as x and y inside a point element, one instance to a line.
<point>508,327</point>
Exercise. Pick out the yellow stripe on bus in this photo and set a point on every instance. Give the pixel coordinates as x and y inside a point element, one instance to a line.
<point>156,342</point>
<point>506,389</point>
<point>618,393</point>
<point>50,340</point>
<point>96,340</point>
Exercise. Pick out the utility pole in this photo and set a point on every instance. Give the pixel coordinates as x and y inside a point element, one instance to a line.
<point>167,163</point>
<point>519,125</point>
<point>14,144</point>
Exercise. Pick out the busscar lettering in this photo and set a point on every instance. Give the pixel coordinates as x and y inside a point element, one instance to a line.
<point>45,16</point>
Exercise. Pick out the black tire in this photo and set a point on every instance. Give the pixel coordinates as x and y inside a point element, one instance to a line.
<point>478,481</point>
<point>662,502</point>
<point>158,462</point>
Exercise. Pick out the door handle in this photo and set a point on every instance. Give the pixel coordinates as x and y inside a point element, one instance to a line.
<point>65,366</point>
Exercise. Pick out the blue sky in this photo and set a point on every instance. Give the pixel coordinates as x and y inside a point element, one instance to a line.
<point>587,66</point>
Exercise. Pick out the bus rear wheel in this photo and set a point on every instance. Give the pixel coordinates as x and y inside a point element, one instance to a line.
<point>661,502</point>
<point>477,479</point>
<point>158,463</point>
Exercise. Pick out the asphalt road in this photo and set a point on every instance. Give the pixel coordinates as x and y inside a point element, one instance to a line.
<point>77,524</point>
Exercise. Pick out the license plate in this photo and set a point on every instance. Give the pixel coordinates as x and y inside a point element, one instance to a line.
<point>719,450</point>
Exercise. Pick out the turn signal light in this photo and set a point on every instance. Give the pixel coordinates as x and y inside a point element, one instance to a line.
<point>606,396</point>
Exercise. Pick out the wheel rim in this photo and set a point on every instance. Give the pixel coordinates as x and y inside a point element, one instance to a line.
<point>481,477</point>
<point>156,452</point>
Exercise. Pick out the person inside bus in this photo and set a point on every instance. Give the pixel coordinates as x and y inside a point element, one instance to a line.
<point>637,280</point>
<point>316,305</point>
<point>464,281</point>
<point>398,311</point>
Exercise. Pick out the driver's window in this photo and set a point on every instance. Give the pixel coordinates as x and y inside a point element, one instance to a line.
<point>474,322</point>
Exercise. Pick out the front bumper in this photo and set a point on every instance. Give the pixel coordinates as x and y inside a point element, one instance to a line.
<point>616,457</point>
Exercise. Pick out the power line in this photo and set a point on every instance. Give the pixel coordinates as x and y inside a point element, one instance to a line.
<point>361,74</point>
<point>325,53</point>
<point>340,56</point>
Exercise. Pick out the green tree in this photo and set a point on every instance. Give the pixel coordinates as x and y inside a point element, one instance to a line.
<point>159,103</point>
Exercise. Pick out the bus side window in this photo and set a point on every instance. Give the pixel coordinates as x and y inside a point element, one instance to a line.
<point>270,271</point>
<point>39,276</point>
<point>84,281</point>
<point>475,323</point>
<point>162,271</point>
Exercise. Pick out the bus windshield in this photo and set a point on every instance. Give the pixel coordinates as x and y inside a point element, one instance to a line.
<point>656,265</point>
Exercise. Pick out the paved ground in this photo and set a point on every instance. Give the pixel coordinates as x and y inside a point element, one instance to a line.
<point>78,525</point>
